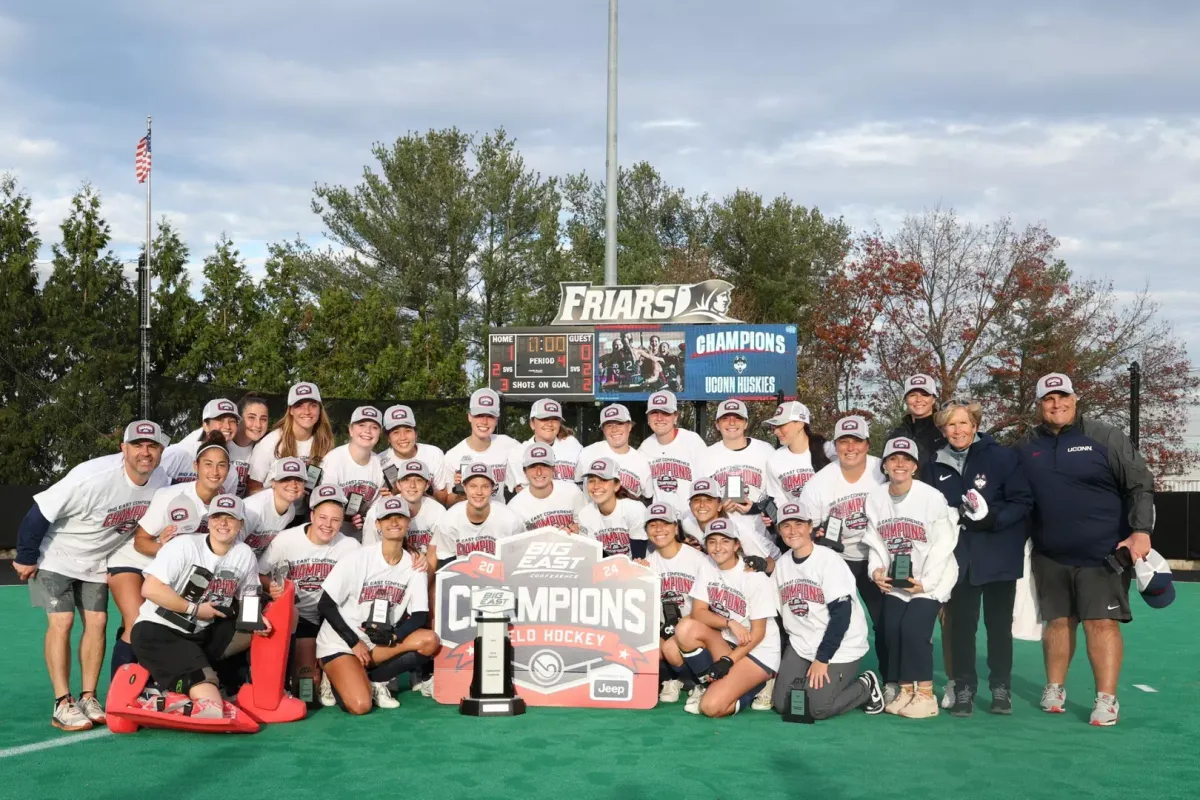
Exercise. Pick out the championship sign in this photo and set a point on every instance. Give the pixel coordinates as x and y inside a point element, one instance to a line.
<point>583,304</point>
<point>587,628</point>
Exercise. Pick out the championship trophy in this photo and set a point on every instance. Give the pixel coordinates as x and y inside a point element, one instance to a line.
<point>193,590</point>
<point>797,706</point>
<point>833,535</point>
<point>250,616</point>
<point>901,571</point>
<point>492,693</point>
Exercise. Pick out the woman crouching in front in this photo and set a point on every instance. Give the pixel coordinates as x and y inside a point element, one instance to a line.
<point>374,607</point>
<point>730,641</point>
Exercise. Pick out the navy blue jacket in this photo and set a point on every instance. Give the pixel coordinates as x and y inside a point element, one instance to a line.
<point>998,554</point>
<point>928,436</point>
<point>1091,489</point>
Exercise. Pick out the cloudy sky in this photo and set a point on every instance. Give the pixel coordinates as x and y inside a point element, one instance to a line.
<point>1083,115</point>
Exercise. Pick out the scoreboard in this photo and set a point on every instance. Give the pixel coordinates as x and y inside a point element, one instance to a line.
<point>532,363</point>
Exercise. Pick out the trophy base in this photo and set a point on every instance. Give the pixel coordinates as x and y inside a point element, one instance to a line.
<point>491,706</point>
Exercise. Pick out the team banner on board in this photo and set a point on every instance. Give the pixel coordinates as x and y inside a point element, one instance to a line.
<point>586,630</point>
<point>583,304</point>
<point>697,362</point>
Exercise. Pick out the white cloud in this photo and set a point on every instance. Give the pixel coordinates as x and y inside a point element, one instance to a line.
<point>659,124</point>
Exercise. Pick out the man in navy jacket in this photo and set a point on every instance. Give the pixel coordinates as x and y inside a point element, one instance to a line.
<point>1093,495</point>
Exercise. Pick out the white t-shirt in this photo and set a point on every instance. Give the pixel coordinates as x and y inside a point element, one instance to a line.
<point>743,597</point>
<point>454,535</point>
<point>263,522</point>
<point>921,526</point>
<point>264,455</point>
<point>496,457</point>
<point>92,511</point>
<point>632,465</point>
<point>566,455</point>
<point>427,454</point>
<point>678,575</point>
<point>750,463</point>
<point>787,472</point>
<point>829,494</point>
<point>805,591</point>
<point>308,564</point>
<point>239,466</point>
<point>674,466</point>
<point>614,531</point>
<point>556,511</point>
<point>233,573</point>
<point>361,578</point>
<point>179,461</point>
<point>420,527</point>
<point>157,517</point>
<point>364,480</point>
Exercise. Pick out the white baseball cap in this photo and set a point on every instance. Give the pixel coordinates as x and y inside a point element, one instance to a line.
<point>797,511</point>
<point>605,468</point>
<point>920,383</point>
<point>662,511</point>
<point>181,513</point>
<point>365,414</point>
<point>614,413</point>
<point>538,453</point>
<point>902,445</point>
<point>1054,382</point>
<point>143,430</point>
<point>721,527</point>
<point>415,466</point>
<point>303,391</point>
<point>853,425</point>
<point>663,401</point>
<point>546,409</point>
<point>325,493</point>
<point>703,487</point>
<point>393,507</point>
<point>478,469</point>
<point>396,416</point>
<point>1154,580</point>
<point>288,468</point>
<point>228,504</point>
<point>793,411</point>
<point>732,406</point>
<point>485,402</point>
<point>220,408</point>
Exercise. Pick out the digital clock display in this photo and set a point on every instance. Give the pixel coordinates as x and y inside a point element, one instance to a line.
<point>532,363</point>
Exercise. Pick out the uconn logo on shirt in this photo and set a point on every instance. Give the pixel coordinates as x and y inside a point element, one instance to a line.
<point>1080,448</point>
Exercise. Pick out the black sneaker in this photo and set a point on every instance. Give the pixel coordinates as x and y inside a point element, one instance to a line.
<point>1001,700</point>
<point>964,702</point>
<point>875,704</point>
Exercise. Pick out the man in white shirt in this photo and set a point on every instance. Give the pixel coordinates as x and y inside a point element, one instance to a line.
<point>674,453</point>
<point>63,545</point>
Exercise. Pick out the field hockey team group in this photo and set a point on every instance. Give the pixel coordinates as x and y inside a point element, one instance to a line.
<point>776,563</point>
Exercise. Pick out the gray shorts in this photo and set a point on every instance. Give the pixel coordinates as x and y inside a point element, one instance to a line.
<point>1080,592</point>
<point>57,593</point>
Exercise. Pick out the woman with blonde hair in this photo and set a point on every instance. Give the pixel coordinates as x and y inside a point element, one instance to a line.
<point>303,432</point>
<point>986,483</point>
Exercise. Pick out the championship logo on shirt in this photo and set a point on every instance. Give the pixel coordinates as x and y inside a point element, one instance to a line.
<point>793,482</point>
<point>586,632</point>
<point>852,511</point>
<point>675,587</point>
<point>726,600</point>
<point>898,534</point>
<point>124,518</point>
<point>797,594</point>
<point>222,588</point>
<point>310,574</point>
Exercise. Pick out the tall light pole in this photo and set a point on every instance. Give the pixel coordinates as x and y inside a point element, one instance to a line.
<point>610,159</point>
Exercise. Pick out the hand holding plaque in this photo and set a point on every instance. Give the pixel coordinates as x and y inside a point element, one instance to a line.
<point>250,616</point>
<point>379,626</point>
<point>832,537</point>
<point>900,571</point>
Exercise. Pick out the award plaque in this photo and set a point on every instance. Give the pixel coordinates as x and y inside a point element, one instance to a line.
<point>390,472</point>
<point>901,571</point>
<point>250,612</point>
<point>463,466</point>
<point>735,489</point>
<point>194,587</point>
<point>797,703</point>
<point>833,535</point>
<point>313,478</point>
<point>670,618</point>
<point>492,693</point>
<point>353,504</point>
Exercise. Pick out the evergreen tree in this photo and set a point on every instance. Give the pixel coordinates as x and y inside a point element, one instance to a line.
<point>276,339</point>
<point>175,313</point>
<point>229,310</point>
<point>91,320</point>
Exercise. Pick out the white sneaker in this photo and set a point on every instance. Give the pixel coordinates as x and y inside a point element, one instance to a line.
<point>762,700</point>
<point>692,705</point>
<point>670,691</point>
<point>948,697</point>
<point>325,693</point>
<point>427,687</point>
<point>92,709</point>
<point>381,697</point>
<point>68,716</point>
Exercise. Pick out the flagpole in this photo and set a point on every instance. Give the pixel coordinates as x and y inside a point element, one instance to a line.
<point>144,300</point>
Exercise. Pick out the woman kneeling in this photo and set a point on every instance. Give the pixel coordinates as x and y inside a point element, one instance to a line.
<point>374,607</point>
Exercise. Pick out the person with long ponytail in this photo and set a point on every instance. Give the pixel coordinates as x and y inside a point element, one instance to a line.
<point>303,432</point>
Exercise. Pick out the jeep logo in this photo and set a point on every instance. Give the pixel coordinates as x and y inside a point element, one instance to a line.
<point>614,689</point>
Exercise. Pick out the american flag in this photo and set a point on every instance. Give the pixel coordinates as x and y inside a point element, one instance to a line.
<point>141,160</point>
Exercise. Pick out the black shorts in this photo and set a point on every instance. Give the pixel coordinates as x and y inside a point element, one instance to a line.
<point>306,629</point>
<point>177,660</point>
<point>1080,592</point>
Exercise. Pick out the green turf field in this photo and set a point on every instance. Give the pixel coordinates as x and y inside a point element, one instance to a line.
<point>426,749</point>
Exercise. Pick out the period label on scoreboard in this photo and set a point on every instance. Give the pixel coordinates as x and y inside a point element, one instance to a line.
<point>532,363</point>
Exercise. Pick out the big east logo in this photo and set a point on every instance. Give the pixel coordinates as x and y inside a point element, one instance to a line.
<point>796,595</point>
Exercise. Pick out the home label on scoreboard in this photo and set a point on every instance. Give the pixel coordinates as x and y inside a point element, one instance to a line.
<point>532,363</point>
